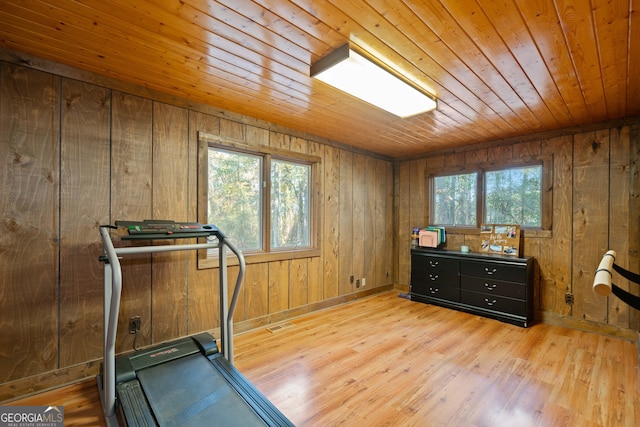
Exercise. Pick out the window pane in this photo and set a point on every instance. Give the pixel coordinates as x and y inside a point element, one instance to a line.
<point>290,204</point>
<point>455,199</point>
<point>235,196</point>
<point>513,196</point>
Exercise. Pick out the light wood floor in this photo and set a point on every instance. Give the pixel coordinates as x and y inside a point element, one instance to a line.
<point>386,361</point>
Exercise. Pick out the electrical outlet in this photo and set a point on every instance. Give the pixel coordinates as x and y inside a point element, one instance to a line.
<point>568,298</point>
<point>351,279</point>
<point>357,283</point>
<point>134,324</point>
<point>364,282</point>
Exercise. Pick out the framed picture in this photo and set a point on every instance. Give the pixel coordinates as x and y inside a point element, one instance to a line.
<point>500,239</point>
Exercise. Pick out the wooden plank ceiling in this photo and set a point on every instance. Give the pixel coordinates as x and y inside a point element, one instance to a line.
<point>499,68</point>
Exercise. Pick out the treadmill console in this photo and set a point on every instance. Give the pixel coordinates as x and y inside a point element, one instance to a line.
<point>150,229</point>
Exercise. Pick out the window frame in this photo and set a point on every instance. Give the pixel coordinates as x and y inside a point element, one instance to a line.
<point>266,253</point>
<point>546,194</point>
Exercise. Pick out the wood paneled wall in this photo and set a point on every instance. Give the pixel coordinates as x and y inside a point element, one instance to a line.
<point>76,155</point>
<point>595,184</point>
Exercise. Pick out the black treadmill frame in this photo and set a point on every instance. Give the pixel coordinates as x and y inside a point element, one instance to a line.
<point>113,293</point>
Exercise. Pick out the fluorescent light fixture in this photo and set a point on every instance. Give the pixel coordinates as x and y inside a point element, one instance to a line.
<point>351,72</point>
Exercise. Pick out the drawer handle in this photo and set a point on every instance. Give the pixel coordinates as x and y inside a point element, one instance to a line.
<point>434,263</point>
<point>433,277</point>
<point>433,290</point>
<point>486,269</point>
<point>491,286</point>
<point>490,303</point>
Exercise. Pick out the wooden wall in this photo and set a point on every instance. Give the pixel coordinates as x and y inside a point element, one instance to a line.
<point>77,154</point>
<point>595,188</point>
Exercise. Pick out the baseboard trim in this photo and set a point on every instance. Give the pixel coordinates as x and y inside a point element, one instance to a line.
<point>587,326</point>
<point>35,384</point>
<point>264,321</point>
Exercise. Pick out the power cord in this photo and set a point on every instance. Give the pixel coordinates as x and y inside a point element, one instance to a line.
<point>135,337</point>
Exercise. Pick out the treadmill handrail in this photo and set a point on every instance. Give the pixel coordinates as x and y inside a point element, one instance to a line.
<point>111,308</point>
<point>227,344</point>
<point>113,294</point>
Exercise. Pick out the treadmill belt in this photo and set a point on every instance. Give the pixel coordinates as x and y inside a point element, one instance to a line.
<point>191,392</point>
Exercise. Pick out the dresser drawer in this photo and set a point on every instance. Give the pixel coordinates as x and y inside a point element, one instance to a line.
<point>494,287</point>
<point>436,264</point>
<point>449,293</point>
<point>435,278</point>
<point>496,303</point>
<point>495,271</point>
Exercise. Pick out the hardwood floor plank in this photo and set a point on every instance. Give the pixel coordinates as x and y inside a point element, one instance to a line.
<point>81,403</point>
<point>387,361</point>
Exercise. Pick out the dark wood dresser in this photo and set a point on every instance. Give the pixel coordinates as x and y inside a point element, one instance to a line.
<point>495,286</point>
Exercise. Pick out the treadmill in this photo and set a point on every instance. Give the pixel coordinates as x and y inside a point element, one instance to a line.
<point>184,382</point>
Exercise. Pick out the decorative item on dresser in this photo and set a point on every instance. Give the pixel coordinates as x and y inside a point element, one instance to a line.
<point>495,286</point>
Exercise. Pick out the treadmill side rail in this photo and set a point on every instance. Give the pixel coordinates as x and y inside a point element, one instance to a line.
<point>134,408</point>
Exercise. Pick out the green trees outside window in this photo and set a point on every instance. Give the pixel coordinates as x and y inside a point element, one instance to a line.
<point>512,196</point>
<point>455,199</point>
<point>238,192</point>
<point>235,196</point>
<point>505,196</point>
<point>290,204</point>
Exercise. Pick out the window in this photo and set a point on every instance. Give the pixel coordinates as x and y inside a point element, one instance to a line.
<point>261,198</point>
<point>235,196</point>
<point>290,204</point>
<point>511,195</point>
<point>455,199</point>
